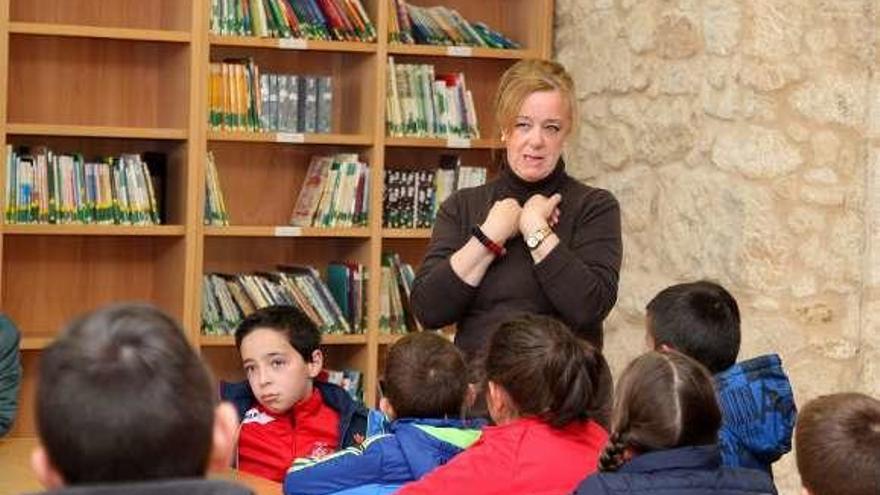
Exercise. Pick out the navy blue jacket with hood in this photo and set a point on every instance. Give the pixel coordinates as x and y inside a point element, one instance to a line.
<point>683,471</point>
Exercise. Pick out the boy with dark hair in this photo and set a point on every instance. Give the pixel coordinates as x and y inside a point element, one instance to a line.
<point>425,386</point>
<point>124,405</point>
<point>285,412</point>
<point>701,319</point>
<point>838,445</point>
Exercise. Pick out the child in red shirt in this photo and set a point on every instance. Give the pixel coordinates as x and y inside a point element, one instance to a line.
<point>286,413</point>
<point>542,394</point>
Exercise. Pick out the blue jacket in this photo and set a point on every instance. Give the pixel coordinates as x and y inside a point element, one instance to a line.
<point>759,413</point>
<point>684,471</point>
<point>411,449</point>
<point>352,415</point>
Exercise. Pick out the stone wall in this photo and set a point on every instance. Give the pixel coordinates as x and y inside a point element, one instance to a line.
<point>742,138</point>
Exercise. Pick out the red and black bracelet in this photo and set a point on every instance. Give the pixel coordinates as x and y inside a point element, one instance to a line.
<point>491,245</point>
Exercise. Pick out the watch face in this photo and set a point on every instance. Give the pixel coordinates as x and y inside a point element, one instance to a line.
<point>532,241</point>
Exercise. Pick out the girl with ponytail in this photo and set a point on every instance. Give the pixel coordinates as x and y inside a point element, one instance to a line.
<point>664,436</point>
<point>541,387</point>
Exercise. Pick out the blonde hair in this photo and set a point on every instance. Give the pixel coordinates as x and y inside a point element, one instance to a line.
<point>526,77</point>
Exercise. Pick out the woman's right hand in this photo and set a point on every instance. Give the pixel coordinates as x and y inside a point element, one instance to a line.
<point>502,222</point>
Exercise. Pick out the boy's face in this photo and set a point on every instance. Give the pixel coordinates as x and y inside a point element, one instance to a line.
<point>277,373</point>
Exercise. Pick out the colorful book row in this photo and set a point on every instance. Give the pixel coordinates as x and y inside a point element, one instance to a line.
<point>243,99</point>
<point>227,299</point>
<point>343,20</point>
<point>50,188</point>
<point>422,103</point>
<point>440,25</point>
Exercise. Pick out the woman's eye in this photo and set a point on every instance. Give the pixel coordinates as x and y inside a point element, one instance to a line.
<point>248,370</point>
<point>553,128</point>
<point>277,363</point>
<point>522,125</point>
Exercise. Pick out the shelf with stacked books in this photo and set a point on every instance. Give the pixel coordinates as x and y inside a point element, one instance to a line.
<point>286,231</point>
<point>96,131</point>
<point>293,44</point>
<point>287,137</point>
<point>460,52</point>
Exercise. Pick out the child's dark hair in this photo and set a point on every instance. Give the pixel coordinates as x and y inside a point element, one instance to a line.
<point>664,400</point>
<point>838,445</point>
<point>700,319</point>
<point>122,396</point>
<point>300,330</point>
<point>425,377</point>
<point>545,369</point>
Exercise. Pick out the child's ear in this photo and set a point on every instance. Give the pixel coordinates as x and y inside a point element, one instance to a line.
<point>224,436</point>
<point>386,408</point>
<point>44,470</point>
<point>498,403</point>
<point>316,364</point>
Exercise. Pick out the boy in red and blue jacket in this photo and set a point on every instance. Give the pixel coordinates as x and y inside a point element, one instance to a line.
<point>285,413</point>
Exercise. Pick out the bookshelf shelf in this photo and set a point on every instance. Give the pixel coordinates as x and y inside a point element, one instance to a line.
<point>406,233</point>
<point>74,31</point>
<point>459,52</point>
<point>389,338</point>
<point>95,230</point>
<point>96,131</point>
<point>326,339</point>
<point>291,138</point>
<point>452,143</point>
<point>36,342</point>
<point>292,44</point>
<point>285,231</point>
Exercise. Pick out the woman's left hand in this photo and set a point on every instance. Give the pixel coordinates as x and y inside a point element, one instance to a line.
<point>538,212</point>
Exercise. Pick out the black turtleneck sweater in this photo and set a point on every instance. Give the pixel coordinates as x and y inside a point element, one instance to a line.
<point>576,282</point>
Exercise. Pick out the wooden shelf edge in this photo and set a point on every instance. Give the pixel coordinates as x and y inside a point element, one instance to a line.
<point>406,233</point>
<point>327,339</point>
<point>95,230</point>
<point>450,143</point>
<point>293,44</point>
<point>460,52</point>
<point>390,338</point>
<point>96,131</point>
<point>35,343</point>
<point>290,138</point>
<point>76,31</point>
<point>285,231</point>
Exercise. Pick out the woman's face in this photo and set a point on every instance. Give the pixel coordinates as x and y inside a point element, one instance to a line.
<point>534,142</point>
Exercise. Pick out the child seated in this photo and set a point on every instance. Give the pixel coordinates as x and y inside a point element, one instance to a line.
<point>701,320</point>
<point>838,445</point>
<point>285,412</point>
<point>10,373</point>
<point>124,405</point>
<point>663,432</point>
<point>425,385</point>
<point>541,391</point>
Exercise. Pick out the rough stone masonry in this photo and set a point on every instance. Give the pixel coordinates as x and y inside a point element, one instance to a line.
<point>742,138</point>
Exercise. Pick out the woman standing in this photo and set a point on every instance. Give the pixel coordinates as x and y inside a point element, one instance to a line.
<point>534,240</point>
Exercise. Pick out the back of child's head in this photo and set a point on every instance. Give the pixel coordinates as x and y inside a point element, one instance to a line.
<point>299,330</point>
<point>838,445</point>
<point>425,377</point>
<point>699,319</point>
<point>122,396</point>
<point>664,400</point>
<point>545,370</point>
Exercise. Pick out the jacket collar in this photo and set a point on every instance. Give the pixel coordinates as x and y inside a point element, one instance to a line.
<point>703,457</point>
<point>511,185</point>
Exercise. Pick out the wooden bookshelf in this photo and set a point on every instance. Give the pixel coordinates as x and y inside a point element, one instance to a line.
<point>103,78</point>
